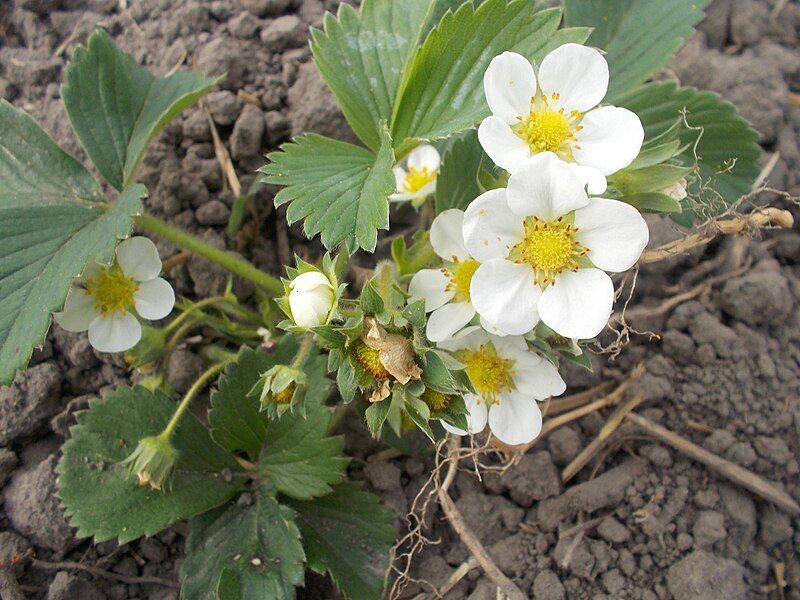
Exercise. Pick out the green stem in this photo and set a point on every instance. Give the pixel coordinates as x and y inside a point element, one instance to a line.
<point>303,352</point>
<point>188,312</point>
<point>197,386</point>
<point>225,259</point>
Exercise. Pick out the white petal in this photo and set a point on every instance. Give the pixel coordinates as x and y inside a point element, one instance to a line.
<point>506,149</point>
<point>545,187</point>
<point>510,346</point>
<point>509,84</point>
<point>311,308</point>
<point>613,231</point>
<point>447,320</point>
<point>579,304</point>
<point>537,377</point>
<point>138,258</point>
<point>154,299</point>
<point>476,417</point>
<point>504,294</point>
<point>430,285</point>
<point>469,338</point>
<point>115,333</point>
<point>402,197</point>
<point>309,280</point>
<point>399,177</point>
<point>490,228</point>
<point>79,311</point>
<point>92,270</point>
<point>446,237</point>
<point>425,156</point>
<point>577,73</point>
<point>592,179</point>
<point>492,329</point>
<point>610,139</point>
<point>515,419</point>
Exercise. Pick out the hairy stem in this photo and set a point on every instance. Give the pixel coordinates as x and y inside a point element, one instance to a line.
<point>190,395</point>
<point>303,351</point>
<point>225,259</point>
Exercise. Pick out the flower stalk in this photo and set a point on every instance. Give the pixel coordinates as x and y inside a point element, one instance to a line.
<point>225,259</point>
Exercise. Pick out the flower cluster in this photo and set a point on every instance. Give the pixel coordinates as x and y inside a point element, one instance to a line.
<point>539,249</point>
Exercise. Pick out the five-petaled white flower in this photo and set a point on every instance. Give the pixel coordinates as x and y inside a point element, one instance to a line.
<point>508,379</point>
<point>556,113</point>
<point>418,180</point>
<point>102,300</point>
<point>446,290</point>
<point>544,246</point>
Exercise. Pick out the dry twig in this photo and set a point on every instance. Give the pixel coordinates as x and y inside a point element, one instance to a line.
<point>719,465</point>
<point>96,571</point>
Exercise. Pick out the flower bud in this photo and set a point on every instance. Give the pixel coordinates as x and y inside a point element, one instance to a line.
<point>152,461</point>
<point>311,299</point>
<point>278,386</point>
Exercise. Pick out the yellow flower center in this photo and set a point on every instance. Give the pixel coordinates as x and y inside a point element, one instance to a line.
<point>547,129</point>
<point>285,395</point>
<point>489,373</point>
<point>112,290</point>
<point>548,247</point>
<point>369,358</point>
<point>417,179</point>
<point>461,277</point>
<point>435,400</point>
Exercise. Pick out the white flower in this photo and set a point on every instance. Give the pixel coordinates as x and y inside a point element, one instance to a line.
<point>418,180</point>
<point>446,290</point>
<point>556,113</point>
<point>103,299</point>
<point>545,246</point>
<point>508,379</point>
<point>311,299</point>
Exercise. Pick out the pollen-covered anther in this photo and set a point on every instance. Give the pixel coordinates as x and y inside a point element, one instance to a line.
<point>112,290</point>
<point>461,278</point>
<point>416,179</point>
<point>489,373</point>
<point>549,248</point>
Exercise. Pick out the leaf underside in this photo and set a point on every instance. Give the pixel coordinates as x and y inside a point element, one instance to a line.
<point>96,491</point>
<point>457,183</point>
<point>53,220</point>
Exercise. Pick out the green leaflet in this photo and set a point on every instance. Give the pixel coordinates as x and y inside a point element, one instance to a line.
<point>442,89</point>
<point>116,106</point>
<point>347,533</point>
<point>298,459</point>
<point>340,190</point>
<point>361,56</point>
<point>457,183</point>
<point>725,139</point>
<point>96,491</point>
<point>53,220</point>
<point>638,36</point>
<point>250,549</point>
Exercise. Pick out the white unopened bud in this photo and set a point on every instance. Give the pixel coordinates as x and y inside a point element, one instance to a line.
<point>311,299</point>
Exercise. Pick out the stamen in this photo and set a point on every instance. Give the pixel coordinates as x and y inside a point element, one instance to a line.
<point>112,290</point>
<point>489,373</point>
<point>549,248</point>
<point>461,278</point>
<point>417,179</point>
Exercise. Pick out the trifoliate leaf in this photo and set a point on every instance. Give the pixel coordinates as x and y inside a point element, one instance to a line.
<point>727,150</point>
<point>251,549</point>
<point>442,89</point>
<point>348,534</point>
<point>361,56</point>
<point>98,494</point>
<point>116,106</point>
<point>53,220</point>
<point>298,458</point>
<point>339,190</point>
<point>638,36</point>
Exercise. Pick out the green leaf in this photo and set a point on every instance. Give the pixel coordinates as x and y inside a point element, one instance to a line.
<point>639,36</point>
<point>237,423</point>
<point>376,414</point>
<point>647,179</point>
<point>298,459</point>
<point>371,301</point>
<point>442,89</point>
<point>116,106</point>
<point>654,202</point>
<point>457,183</point>
<point>726,141</point>
<point>340,190</point>
<point>361,56</point>
<point>348,534</point>
<point>53,220</point>
<point>99,496</point>
<point>251,549</point>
